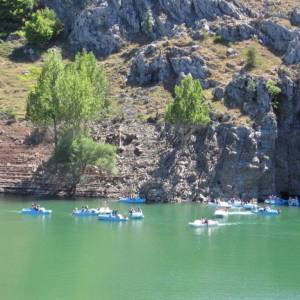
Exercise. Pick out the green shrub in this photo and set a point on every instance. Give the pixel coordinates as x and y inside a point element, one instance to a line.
<point>148,22</point>
<point>272,88</point>
<point>218,39</point>
<point>251,58</point>
<point>274,91</point>
<point>43,27</point>
<point>13,13</point>
<point>76,151</point>
<point>189,106</point>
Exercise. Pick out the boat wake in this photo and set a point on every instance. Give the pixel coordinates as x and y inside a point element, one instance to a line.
<point>229,224</point>
<point>241,213</point>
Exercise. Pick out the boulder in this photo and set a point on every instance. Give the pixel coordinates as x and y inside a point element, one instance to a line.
<point>295,17</point>
<point>219,93</point>
<point>231,52</point>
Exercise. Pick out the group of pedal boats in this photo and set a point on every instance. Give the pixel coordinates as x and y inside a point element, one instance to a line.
<point>223,207</point>
<point>102,213</point>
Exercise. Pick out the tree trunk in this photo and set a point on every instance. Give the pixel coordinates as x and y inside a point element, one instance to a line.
<point>55,134</point>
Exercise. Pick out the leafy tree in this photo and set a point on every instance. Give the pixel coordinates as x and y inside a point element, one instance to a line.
<point>68,95</point>
<point>43,27</point>
<point>43,104</point>
<point>189,106</point>
<point>13,13</point>
<point>83,90</point>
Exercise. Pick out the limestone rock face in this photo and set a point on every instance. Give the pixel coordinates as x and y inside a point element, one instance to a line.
<point>287,144</point>
<point>107,39</point>
<point>149,66</point>
<point>275,35</point>
<point>292,55</point>
<point>236,31</point>
<point>152,65</point>
<point>104,26</point>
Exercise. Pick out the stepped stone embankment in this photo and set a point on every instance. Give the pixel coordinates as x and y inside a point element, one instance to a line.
<point>24,168</point>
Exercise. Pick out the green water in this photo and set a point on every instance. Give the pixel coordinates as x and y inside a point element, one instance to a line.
<point>63,257</point>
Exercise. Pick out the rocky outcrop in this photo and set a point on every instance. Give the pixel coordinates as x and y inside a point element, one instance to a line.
<point>105,26</point>
<point>223,160</point>
<point>236,31</point>
<point>156,63</point>
<point>274,35</point>
<point>292,55</point>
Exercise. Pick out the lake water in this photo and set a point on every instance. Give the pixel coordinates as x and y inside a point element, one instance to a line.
<point>161,257</point>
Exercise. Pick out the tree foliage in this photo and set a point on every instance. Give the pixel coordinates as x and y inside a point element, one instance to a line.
<point>13,13</point>
<point>79,151</point>
<point>42,27</point>
<point>68,95</point>
<point>189,106</point>
<point>44,105</point>
<point>83,90</point>
<point>84,152</point>
<point>272,88</point>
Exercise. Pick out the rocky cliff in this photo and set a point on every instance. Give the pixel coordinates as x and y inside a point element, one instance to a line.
<point>251,148</point>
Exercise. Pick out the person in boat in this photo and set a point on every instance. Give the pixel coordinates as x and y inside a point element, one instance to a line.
<point>205,221</point>
<point>35,206</point>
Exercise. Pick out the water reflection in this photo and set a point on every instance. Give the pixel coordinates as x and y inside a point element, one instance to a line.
<point>205,230</point>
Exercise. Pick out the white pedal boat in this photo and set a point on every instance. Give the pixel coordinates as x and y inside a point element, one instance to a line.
<point>202,223</point>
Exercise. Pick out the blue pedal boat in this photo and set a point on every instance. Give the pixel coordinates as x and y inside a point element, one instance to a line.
<point>136,200</point>
<point>36,211</point>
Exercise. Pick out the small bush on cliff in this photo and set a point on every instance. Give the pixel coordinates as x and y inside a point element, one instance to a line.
<point>43,27</point>
<point>13,13</point>
<point>273,89</point>
<point>189,106</point>
<point>148,22</point>
<point>251,58</point>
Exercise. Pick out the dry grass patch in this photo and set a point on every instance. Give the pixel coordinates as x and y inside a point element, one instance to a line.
<point>274,6</point>
<point>223,68</point>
